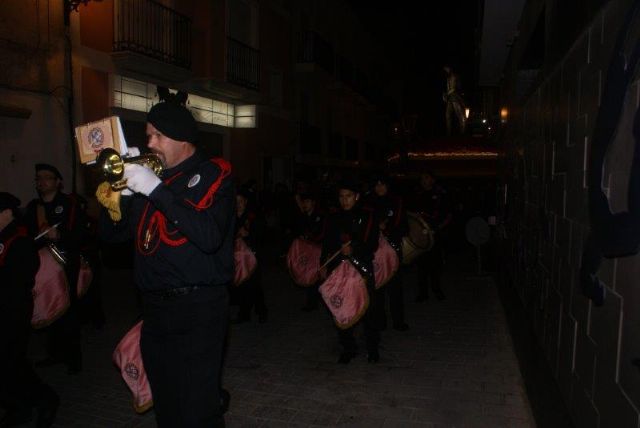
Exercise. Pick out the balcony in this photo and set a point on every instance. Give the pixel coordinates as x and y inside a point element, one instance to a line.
<point>243,64</point>
<point>313,49</point>
<point>152,39</point>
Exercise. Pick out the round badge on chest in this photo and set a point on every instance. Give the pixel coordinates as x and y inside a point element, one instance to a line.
<point>58,209</point>
<point>194,181</point>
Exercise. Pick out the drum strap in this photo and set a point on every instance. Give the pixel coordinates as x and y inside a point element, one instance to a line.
<point>20,233</point>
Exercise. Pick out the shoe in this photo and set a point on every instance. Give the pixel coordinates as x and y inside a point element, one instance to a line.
<point>373,357</point>
<point>401,327</point>
<point>47,362</point>
<point>225,399</point>
<point>15,417</point>
<point>422,297</point>
<point>346,357</point>
<point>439,294</point>
<point>48,409</point>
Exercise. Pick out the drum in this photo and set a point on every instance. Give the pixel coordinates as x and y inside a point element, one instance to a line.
<point>85,276</point>
<point>128,358</point>
<point>245,261</point>
<point>50,292</point>
<point>345,294</point>
<point>303,260</point>
<point>385,262</point>
<point>419,240</point>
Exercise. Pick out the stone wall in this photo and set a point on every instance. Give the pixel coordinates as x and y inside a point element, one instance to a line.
<point>589,349</point>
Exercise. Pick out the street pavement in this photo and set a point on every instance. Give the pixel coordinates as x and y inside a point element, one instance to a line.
<point>455,367</point>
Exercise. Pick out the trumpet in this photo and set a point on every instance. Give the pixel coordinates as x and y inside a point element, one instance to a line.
<point>112,166</point>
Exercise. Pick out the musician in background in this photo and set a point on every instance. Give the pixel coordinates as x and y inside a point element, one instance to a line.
<point>182,225</point>
<point>392,221</point>
<point>249,227</point>
<point>431,201</point>
<point>310,224</point>
<point>20,387</point>
<point>352,232</point>
<point>65,219</point>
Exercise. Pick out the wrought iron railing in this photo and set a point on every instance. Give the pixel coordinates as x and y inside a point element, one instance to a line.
<point>152,29</point>
<point>312,48</point>
<point>243,64</point>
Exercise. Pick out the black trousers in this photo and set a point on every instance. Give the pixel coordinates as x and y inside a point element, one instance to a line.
<point>182,343</point>
<point>63,335</point>
<point>20,387</point>
<point>251,296</point>
<point>374,321</point>
<point>395,293</point>
<point>430,267</point>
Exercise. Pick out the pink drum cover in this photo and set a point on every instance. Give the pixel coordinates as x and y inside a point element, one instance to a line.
<point>385,262</point>
<point>128,358</point>
<point>245,261</point>
<point>345,293</point>
<point>51,291</point>
<point>303,260</point>
<point>85,276</point>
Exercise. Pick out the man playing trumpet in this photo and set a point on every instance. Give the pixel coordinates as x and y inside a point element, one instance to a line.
<point>182,224</point>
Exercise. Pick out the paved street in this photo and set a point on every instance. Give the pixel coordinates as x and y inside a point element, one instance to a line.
<point>455,367</point>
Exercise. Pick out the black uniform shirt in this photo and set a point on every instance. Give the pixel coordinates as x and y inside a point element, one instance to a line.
<point>63,209</point>
<point>390,210</point>
<point>183,232</point>
<point>311,226</point>
<point>358,226</point>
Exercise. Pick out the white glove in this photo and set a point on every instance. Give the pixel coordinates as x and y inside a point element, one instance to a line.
<point>131,152</point>
<point>140,179</point>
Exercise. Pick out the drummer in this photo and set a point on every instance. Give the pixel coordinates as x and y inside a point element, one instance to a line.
<point>62,216</point>
<point>392,221</point>
<point>352,231</point>
<point>20,387</point>
<point>432,201</point>
<point>310,224</point>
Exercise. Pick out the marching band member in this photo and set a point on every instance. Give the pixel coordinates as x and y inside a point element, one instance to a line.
<point>66,220</point>
<point>20,387</point>
<point>182,224</point>
<point>392,221</point>
<point>352,232</point>
<point>432,202</point>
<point>310,224</point>
<point>248,228</point>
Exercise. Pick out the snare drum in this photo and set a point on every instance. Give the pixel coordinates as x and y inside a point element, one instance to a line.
<point>345,294</point>
<point>245,261</point>
<point>303,260</point>
<point>385,262</point>
<point>419,240</point>
<point>128,358</point>
<point>50,292</point>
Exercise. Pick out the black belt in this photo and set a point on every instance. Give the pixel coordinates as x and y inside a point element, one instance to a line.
<point>172,293</point>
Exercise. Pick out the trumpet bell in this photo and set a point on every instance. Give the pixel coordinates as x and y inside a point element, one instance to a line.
<point>112,166</point>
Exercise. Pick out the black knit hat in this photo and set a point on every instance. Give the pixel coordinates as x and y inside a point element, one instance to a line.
<point>50,168</point>
<point>349,184</point>
<point>174,121</point>
<point>380,178</point>
<point>8,201</point>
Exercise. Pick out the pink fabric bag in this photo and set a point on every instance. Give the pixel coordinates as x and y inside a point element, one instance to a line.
<point>385,262</point>
<point>345,293</point>
<point>128,358</point>
<point>50,292</point>
<point>245,261</point>
<point>303,260</point>
<point>85,276</point>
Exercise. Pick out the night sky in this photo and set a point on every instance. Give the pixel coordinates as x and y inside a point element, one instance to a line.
<point>422,37</point>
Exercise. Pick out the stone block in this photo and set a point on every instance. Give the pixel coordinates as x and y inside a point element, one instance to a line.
<point>554,309</point>
<point>582,408</point>
<point>566,354</point>
<point>590,86</point>
<point>585,361</point>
